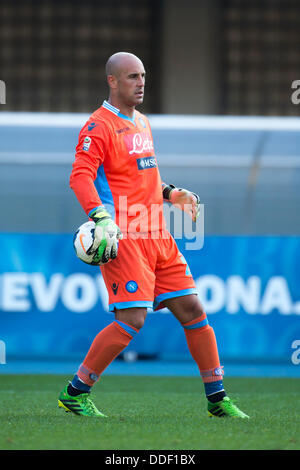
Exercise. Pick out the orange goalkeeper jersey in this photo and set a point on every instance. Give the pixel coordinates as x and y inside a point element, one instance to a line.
<point>115,165</point>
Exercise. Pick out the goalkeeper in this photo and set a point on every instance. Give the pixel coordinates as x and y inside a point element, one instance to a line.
<point>116,180</point>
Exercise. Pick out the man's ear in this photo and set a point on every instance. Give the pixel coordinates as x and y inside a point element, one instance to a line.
<point>112,81</point>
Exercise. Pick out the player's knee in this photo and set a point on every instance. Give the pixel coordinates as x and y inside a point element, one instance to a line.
<point>138,323</point>
<point>194,309</point>
<point>134,317</point>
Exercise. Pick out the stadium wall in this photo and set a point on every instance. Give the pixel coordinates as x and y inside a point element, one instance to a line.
<point>247,271</point>
<point>52,304</point>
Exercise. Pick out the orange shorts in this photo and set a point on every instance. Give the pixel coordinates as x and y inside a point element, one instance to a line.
<point>146,272</point>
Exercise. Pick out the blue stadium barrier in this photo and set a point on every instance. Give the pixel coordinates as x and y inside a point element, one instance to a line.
<point>52,304</point>
<point>247,171</point>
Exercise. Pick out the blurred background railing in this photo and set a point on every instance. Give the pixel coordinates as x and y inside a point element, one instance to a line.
<point>246,170</point>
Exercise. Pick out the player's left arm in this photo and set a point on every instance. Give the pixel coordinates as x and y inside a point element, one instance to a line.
<point>183,198</point>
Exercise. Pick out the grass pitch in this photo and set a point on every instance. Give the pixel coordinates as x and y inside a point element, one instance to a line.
<point>148,413</point>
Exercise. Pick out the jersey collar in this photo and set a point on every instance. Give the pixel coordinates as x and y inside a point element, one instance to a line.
<point>117,112</point>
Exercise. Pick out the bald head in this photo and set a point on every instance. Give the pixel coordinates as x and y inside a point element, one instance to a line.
<point>125,76</point>
<point>121,61</point>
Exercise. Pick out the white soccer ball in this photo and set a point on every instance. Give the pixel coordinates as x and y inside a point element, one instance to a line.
<point>83,240</point>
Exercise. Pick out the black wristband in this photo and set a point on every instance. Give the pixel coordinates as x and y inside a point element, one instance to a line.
<point>167,190</point>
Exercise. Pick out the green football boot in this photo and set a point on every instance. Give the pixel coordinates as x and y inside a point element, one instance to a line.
<point>225,409</point>
<point>80,405</point>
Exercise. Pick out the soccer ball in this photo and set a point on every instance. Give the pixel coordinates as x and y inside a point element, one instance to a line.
<point>83,240</point>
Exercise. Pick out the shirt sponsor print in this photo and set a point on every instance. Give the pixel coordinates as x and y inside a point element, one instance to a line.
<point>146,162</point>
<point>139,143</point>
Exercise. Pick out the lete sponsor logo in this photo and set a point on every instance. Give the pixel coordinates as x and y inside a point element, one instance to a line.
<point>139,143</point>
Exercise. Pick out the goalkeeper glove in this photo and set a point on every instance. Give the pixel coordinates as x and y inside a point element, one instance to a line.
<point>184,199</point>
<point>106,236</point>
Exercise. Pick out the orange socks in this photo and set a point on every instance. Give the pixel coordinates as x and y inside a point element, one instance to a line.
<point>107,345</point>
<point>111,341</point>
<point>202,344</point>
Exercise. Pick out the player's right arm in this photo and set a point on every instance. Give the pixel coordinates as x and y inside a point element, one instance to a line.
<point>89,156</point>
